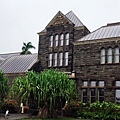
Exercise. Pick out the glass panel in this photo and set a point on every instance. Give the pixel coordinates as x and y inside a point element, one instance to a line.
<point>61,39</point>
<point>84,92</point>
<point>55,59</point>
<point>84,95</point>
<point>117,55</point>
<point>56,40</point>
<point>101,83</point>
<point>101,95</point>
<point>109,58</point>
<point>51,41</point>
<point>85,83</point>
<point>66,58</point>
<point>102,56</point>
<point>92,92</point>
<point>117,83</point>
<point>67,39</point>
<point>50,60</point>
<point>61,59</point>
<point>93,83</point>
<point>117,96</point>
<point>101,92</point>
<point>93,99</point>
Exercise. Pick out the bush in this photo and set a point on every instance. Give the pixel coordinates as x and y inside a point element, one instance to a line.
<point>10,105</point>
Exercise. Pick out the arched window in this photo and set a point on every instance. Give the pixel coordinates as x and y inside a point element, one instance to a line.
<point>51,41</point>
<point>56,40</point>
<point>116,58</point>
<point>67,39</point>
<point>109,55</point>
<point>102,56</point>
<point>61,39</point>
<point>66,58</point>
<point>61,59</point>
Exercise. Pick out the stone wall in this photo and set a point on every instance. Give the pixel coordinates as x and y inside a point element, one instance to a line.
<point>87,65</point>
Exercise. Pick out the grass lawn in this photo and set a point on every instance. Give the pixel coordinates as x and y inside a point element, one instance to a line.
<point>56,119</point>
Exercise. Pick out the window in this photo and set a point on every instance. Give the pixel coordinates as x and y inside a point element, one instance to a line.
<point>67,39</point>
<point>84,94</point>
<point>101,84</point>
<point>50,60</point>
<point>116,59</point>
<point>101,95</point>
<point>66,58</point>
<point>117,96</point>
<point>51,41</point>
<point>61,39</point>
<point>61,59</point>
<point>109,55</point>
<point>103,56</point>
<point>117,83</point>
<point>92,95</point>
<point>85,83</point>
<point>56,40</point>
<point>55,59</point>
<point>93,83</point>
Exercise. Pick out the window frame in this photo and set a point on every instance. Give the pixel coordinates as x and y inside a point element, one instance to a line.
<point>102,61</point>
<point>109,56</point>
<point>116,55</point>
<point>56,40</point>
<point>50,60</point>
<point>60,59</point>
<point>51,41</point>
<point>55,59</point>
<point>66,58</point>
<point>67,38</point>
<point>61,39</point>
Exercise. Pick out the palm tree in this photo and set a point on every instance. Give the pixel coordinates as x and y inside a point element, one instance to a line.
<point>26,47</point>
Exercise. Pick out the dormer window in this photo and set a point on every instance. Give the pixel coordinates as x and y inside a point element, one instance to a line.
<point>56,40</point>
<point>67,39</point>
<point>51,41</point>
<point>61,39</point>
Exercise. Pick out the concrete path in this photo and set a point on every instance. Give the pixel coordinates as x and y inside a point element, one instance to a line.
<point>14,117</point>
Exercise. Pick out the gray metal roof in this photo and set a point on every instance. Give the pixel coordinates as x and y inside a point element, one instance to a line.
<point>18,63</point>
<point>74,19</point>
<point>109,31</point>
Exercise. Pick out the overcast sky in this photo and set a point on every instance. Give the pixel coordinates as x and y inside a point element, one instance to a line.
<point>21,20</point>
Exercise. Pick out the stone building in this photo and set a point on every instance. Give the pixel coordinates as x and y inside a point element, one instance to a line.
<point>93,58</point>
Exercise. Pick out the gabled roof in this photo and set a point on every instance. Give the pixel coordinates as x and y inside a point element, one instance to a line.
<point>59,18</point>
<point>18,63</point>
<point>109,31</point>
<point>71,16</point>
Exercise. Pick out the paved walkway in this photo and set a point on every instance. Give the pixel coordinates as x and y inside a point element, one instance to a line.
<point>14,117</point>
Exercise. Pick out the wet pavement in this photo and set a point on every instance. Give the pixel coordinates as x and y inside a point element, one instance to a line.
<point>14,116</point>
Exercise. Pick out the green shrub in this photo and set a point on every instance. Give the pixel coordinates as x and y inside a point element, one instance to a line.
<point>10,105</point>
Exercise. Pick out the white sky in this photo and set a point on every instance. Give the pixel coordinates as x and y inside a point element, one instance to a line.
<point>21,20</point>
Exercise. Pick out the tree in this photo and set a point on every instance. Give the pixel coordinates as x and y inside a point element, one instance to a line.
<point>26,47</point>
<point>3,86</point>
<point>47,89</point>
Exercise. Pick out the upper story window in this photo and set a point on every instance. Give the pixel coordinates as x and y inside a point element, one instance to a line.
<point>55,59</point>
<point>101,84</point>
<point>103,56</point>
<point>93,83</point>
<point>67,39</point>
<point>51,41</point>
<point>85,83</point>
<point>109,55</point>
<point>117,83</point>
<point>50,60</point>
<point>61,39</point>
<point>56,40</point>
<point>60,59</point>
<point>116,58</point>
<point>66,58</point>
